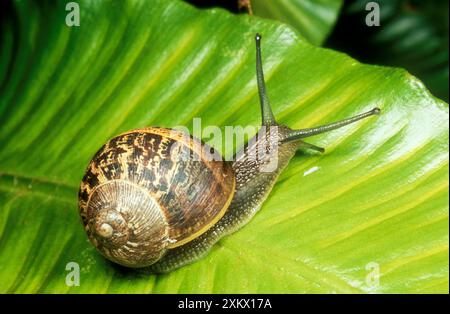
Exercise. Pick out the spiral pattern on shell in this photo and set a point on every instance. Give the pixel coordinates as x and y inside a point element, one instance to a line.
<point>139,198</point>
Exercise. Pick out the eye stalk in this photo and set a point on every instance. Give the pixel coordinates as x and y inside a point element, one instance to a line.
<point>299,134</point>
<point>268,118</point>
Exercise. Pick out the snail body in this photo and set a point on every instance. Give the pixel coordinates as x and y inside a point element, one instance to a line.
<point>143,205</point>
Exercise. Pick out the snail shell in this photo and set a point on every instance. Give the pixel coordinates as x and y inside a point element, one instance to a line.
<point>140,196</point>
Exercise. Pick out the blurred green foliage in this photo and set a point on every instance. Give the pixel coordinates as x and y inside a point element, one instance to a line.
<point>314,19</point>
<point>412,35</point>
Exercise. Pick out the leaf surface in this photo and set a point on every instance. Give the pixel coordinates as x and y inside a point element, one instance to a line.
<point>376,203</point>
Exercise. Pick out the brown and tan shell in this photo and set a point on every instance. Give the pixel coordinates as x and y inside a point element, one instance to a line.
<point>141,194</point>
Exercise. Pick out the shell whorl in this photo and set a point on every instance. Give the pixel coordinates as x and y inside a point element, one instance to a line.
<point>126,224</point>
<point>138,198</point>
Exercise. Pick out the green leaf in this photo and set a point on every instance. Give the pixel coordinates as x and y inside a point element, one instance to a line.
<point>313,19</point>
<point>378,198</point>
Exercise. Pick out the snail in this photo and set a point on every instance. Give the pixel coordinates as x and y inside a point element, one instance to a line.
<point>141,206</point>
